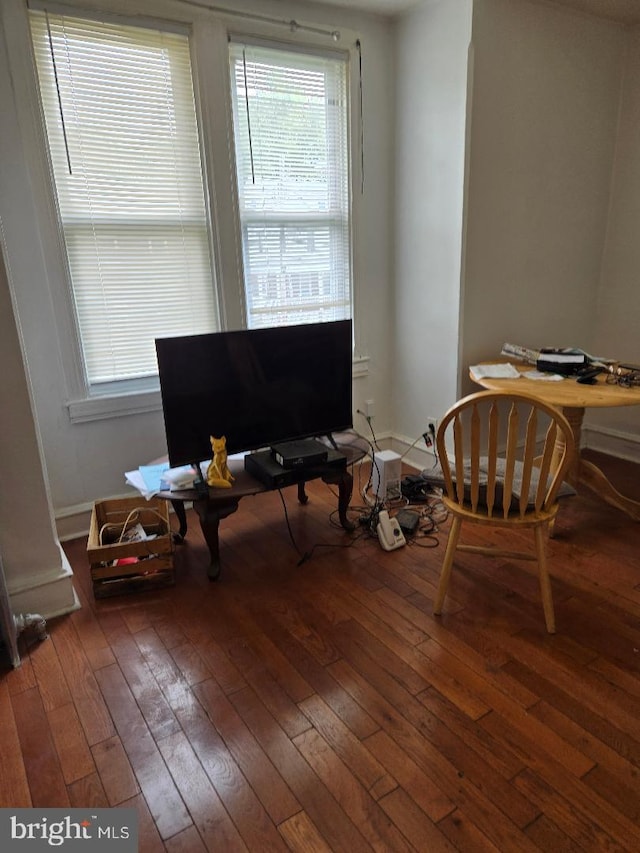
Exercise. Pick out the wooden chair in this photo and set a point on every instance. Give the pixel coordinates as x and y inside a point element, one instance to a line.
<point>538,448</point>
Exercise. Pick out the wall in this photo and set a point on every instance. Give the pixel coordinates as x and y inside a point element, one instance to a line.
<point>38,575</point>
<point>500,195</point>
<point>432,44</point>
<point>87,461</point>
<point>547,235</point>
<point>545,102</point>
<point>618,309</point>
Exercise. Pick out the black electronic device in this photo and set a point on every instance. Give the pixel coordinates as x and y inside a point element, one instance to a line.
<point>588,375</point>
<point>255,387</point>
<point>264,467</point>
<point>300,454</point>
<point>563,361</point>
<point>416,488</point>
<point>409,521</point>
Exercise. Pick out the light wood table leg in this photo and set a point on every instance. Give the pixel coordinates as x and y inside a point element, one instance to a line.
<point>575,417</point>
<point>594,479</point>
<point>585,473</point>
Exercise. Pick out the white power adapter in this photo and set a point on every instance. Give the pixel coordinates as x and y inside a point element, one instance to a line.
<point>386,475</point>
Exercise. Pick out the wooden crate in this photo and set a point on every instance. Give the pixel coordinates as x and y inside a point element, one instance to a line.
<point>148,563</point>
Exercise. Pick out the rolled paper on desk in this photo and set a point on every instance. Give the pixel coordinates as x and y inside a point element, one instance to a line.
<point>531,356</point>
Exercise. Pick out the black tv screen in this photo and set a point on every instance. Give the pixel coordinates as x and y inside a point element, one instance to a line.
<point>256,387</point>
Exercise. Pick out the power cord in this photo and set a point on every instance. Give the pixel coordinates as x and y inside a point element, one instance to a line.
<point>432,511</point>
<point>306,555</point>
<point>303,557</point>
<point>363,491</point>
<point>309,553</point>
<point>132,517</point>
<point>431,515</point>
<point>369,419</point>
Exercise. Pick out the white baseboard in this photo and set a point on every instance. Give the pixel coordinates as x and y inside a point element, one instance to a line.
<point>72,522</point>
<point>49,594</point>
<point>417,456</point>
<point>622,445</point>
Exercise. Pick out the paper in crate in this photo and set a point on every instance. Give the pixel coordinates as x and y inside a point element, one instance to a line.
<point>122,562</point>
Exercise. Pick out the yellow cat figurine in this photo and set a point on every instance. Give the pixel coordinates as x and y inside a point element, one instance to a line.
<point>218,474</point>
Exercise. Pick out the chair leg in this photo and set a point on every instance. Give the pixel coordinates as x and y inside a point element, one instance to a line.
<point>445,573</point>
<point>540,533</point>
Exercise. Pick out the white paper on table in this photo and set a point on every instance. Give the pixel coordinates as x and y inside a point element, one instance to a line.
<point>543,376</point>
<point>494,371</point>
<point>135,479</point>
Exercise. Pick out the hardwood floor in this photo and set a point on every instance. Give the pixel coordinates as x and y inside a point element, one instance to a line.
<point>321,707</point>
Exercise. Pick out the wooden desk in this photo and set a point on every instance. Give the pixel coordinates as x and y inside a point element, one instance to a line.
<point>216,504</point>
<point>573,398</point>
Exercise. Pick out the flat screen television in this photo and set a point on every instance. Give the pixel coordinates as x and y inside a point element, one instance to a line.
<point>257,387</point>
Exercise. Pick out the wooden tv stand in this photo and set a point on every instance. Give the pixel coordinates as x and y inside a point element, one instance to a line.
<point>215,504</point>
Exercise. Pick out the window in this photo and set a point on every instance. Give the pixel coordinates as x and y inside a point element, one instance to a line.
<point>120,118</point>
<point>292,162</point>
<point>125,150</point>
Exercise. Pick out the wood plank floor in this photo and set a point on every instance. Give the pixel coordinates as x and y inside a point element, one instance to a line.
<point>321,707</point>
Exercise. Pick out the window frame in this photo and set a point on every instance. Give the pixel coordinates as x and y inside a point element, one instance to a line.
<point>83,216</point>
<point>252,219</point>
<point>209,34</point>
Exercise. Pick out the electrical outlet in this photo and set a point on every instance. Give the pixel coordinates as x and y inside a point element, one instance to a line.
<point>369,408</point>
<point>429,434</point>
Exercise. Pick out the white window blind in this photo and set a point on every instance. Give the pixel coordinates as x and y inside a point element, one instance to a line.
<point>129,187</point>
<point>292,160</point>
